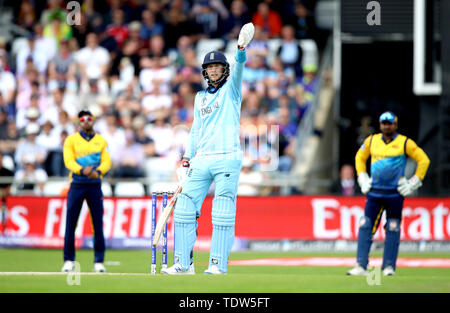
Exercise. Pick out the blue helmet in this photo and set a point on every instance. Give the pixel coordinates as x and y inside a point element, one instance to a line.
<point>215,57</point>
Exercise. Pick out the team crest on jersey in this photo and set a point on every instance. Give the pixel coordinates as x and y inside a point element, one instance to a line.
<point>204,101</point>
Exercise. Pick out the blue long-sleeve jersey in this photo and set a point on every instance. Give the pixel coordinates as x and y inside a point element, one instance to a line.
<point>216,125</point>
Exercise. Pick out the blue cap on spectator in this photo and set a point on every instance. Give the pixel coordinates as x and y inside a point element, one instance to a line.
<point>388,117</point>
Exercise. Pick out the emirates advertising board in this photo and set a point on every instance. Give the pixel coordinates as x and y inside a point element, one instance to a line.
<point>40,221</point>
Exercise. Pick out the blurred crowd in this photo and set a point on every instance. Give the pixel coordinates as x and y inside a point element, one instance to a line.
<point>135,65</point>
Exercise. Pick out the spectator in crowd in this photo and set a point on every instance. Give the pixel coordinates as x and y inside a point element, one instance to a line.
<point>93,59</point>
<point>29,146</point>
<point>259,46</point>
<point>188,73</point>
<point>58,104</point>
<point>346,185</point>
<point>176,27</point>
<point>279,79</point>
<point>52,7</point>
<point>183,102</point>
<point>157,102</point>
<point>268,19</point>
<point>129,159</point>
<point>3,120</point>
<point>5,187</point>
<point>7,88</point>
<point>113,134</point>
<point>157,50</point>
<point>135,37</point>
<point>28,115</point>
<point>148,145</point>
<point>129,100</point>
<point>155,73</point>
<point>117,29</point>
<point>290,52</point>
<point>237,18</point>
<point>91,91</point>
<point>27,15</point>
<point>53,145</point>
<point>57,28</point>
<point>62,66</point>
<point>150,27</point>
<point>31,177</point>
<point>208,19</point>
<point>45,44</point>
<point>64,124</point>
<point>309,82</point>
<point>249,180</point>
<point>125,66</point>
<point>254,76</point>
<point>184,44</point>
<point>10,140</point>
<point>303,22</point>
<point>161,133</point>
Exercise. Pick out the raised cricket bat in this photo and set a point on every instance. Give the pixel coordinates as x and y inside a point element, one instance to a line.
<point>165,216</point>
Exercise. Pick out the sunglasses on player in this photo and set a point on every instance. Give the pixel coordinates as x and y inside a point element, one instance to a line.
<point>86,118</point>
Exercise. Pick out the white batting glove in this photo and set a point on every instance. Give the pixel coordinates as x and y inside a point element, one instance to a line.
<point>365,182</point>
<point>182,170</point>
<point>407,186</point>
<point>246,35</point>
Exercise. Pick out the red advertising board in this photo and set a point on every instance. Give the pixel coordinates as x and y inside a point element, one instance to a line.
<point>258,218</point>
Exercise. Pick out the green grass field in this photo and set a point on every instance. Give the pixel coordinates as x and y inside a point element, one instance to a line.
<point>240,279</point>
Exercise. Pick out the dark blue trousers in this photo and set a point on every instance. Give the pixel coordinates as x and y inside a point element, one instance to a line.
<point>93,195</point>
<point>375,206</point>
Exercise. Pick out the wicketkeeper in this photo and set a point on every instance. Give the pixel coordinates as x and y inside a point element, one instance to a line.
<point>212,154</point>
<point>386,189</point>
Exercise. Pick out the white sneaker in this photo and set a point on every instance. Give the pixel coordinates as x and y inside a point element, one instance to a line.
<point>177,270</point>
<point>99,268</point>
<point>214,270</point>
<point>68,266</point>
<point>358,270</point>
<point>388,271</point>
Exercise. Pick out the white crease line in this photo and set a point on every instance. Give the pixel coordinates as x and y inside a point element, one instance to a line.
<point>69,273</point>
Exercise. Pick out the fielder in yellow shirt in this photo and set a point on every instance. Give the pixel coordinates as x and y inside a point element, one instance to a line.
<point>87,158</point>
<point>386,189</point>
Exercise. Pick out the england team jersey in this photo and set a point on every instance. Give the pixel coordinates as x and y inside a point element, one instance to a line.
<point>216,125</point>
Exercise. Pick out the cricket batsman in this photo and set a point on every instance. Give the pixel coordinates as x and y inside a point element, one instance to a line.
<point>386,189</point>
<point>213,154</point>
<point>87,159</point>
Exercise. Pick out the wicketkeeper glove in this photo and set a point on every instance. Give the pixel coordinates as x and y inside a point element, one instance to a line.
<point>182,170</point>
<point>365,182</point>
<point>245,35</point>
<point>407,186</point>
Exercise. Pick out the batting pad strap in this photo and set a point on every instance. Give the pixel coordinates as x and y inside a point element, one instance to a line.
<point>223,211</point>
<point>184,211</point>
